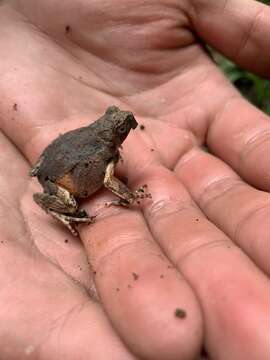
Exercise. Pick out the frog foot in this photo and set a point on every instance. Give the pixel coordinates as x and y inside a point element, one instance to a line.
<point>70,221</point>
<point>142,193</point>
<point>137,195</point>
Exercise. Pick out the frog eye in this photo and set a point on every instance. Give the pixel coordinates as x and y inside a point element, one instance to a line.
<point>122,129</point>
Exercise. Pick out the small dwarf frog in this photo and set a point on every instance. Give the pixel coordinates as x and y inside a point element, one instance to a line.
<point>78,163</point>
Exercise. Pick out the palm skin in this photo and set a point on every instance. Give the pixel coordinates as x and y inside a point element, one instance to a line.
<point>200,245</point>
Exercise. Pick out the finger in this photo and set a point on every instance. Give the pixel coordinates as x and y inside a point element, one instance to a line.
<point>240,135</point>
<point>235,207</point>
<point>233,294</point>
<point>237,28</point>
<point>141,291</point>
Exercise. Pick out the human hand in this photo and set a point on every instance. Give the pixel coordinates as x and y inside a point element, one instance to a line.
<point>64,67</point>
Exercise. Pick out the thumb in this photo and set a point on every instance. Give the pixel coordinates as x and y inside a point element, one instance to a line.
<point>237,28</point>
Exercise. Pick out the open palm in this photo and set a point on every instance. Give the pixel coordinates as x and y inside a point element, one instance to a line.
<point>190,264</point>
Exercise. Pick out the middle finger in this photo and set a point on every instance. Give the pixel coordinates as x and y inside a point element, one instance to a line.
<point>141,291</point>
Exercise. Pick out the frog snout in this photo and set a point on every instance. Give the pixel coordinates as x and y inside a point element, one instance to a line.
<point>133,122</point>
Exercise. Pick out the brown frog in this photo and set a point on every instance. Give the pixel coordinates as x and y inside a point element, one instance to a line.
<point>78,163</point>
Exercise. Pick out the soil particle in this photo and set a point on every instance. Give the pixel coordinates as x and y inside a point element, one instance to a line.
<point>67,29</point>
<point>135,276</point>
<point>180,313</point>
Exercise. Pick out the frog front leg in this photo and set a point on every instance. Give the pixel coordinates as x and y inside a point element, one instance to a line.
<point>116,186</point>
<point>58,202</point>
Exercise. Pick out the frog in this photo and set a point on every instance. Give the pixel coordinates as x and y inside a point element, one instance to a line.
<point>79,162</point>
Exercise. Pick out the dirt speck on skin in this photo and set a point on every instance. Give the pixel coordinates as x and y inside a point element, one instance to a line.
<point>66,241</point>
<point>67,29</point>
<point>15,107</point>
<point>94,272</point>
<point>135,276</point>
<point>149,196</point>
<point>152,150</point>
<point>142,127</point>
<point>180,313</point>
<point>197,219</point>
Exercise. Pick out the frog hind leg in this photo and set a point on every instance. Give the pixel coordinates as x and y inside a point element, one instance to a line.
<point>63,207</point>
<point>116,186</point>
<point>69,221</point>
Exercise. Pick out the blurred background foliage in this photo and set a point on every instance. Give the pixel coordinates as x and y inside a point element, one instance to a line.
<point>253,87</point>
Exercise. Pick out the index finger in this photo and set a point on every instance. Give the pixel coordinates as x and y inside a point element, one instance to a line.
<point>142,292</point>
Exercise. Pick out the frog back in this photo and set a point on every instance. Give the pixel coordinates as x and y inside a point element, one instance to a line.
<point>78,152</point>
